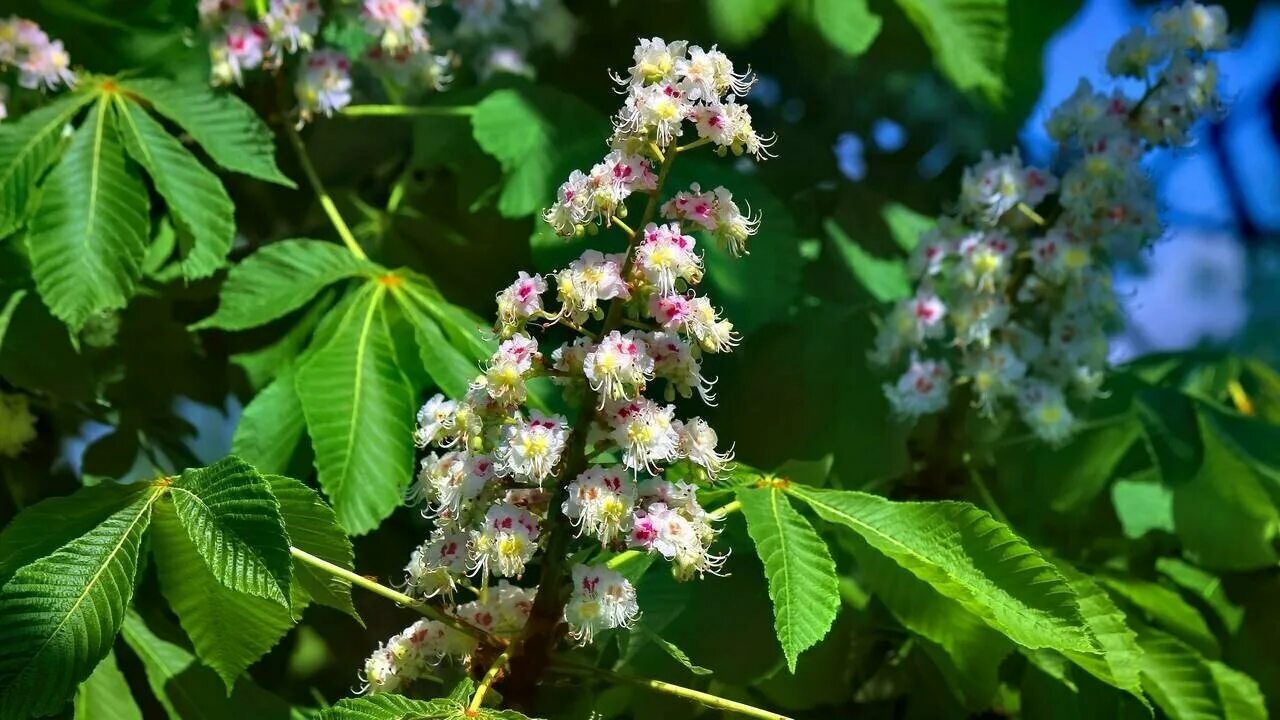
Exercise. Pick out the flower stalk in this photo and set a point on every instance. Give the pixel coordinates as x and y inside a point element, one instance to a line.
<point>326,201</point>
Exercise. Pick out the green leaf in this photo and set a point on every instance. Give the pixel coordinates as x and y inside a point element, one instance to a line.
<point>359,407</point>
<point>741,21</point>
<point>905,225</point>
<point>670,648</point>
<point>60,614</point>
<point>1121,661</point>
<point>446,365</point>
<point>271,425</point>
<point>88,235</point>
<point>222,123</point>
<point>849,25</point>
<point>190,691</point>
<point>230,630</point>
<point>1167,609</point>
<point>48,525</point>
<point>968,38</point>
<point>279,279</point>
<point>230,514</point>
<point>1223,514</point>
<point>385,706</point>
<point>11,304</point>
<point>1143,504</point>
<point>1188,687</point>
<point>314,528</point>
<point>969,557</point>
<point>528,131</point>
<point>105,695</point>
<point>975,650</point>
<point>196,199</point>
<point>1172,430</point>
<point>28,146</point>
<point>801,573</point>
<point>1207,587</point>
<point>885,280</point>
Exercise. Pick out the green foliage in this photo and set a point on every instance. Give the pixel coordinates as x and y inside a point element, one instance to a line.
<point>849,25</point>
<point>233,520</point>
<point>1185,685</point>
<point>88,232</point>
<point>60,614</point>
<point>313,528</point>
<point>359,407</point>
<point>228,129</point>
<point>801,573</point>
<point>28,147</point>
<point>279,279</point>
<point>229,629</point>
<point>969,557</point>
<point>389,707</point>
<point>105,695</point>
<point>527,131</point>
<point>968,39</point>
<point>186,689</point>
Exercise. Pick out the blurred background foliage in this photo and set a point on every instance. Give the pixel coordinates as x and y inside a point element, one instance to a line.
<point>878,107</point>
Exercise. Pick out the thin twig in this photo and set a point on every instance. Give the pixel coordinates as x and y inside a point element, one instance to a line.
<point>326,202</point>
<point>408,110</point>
<point>703,698</point>
<point>695,144</point>
<point>625,227</point>
<point>487,681</point>
<point>393,595</point>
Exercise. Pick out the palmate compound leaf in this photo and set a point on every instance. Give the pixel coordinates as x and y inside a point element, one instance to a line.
<point>195,196</point>
<point>271,425</point>
<point>88,234</point>
<point>279,279</point>
<point>230,630</point>
<point>1121,660</point>
<point>232,518</point>
<point>966,555</point>
<point>227,128</point>
<point>975,651</point>
<point>359,407</point>
<point>188,690</point>
<point>801,574</point>
<point>969,39</point>
<point>451,370</point>
<point>1186,686</point>
<point>28,146</point>
<point>105,695</point>
<point>314,528</point>
<point>60,614</point>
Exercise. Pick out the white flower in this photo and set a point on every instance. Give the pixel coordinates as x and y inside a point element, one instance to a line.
<point>505,542</point>
<point>599,502</point>
<point>324,83</point>
<point>645,431</point>
<point>397,24</point>
<point>435,566</point>
<point>655,61</point>
<point>705,325</point>
<point>588,280</point>
<point>293,24</point>
<point>1045,410</point>
<point>698,442</point>
<point>520,301</point>
<point>619,366</point>
<point>674,360</point>
<point>435,417</point>
<point>602,599</point>
<point>922,390</point>
<point>241,48</point>
<point>530,449</point>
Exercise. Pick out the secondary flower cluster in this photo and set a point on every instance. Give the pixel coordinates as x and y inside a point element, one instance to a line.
<point>41,63</point>
<point>669,86</point>
<point>1013,290</point>
<point>504,478</point>
<point>398,47</point>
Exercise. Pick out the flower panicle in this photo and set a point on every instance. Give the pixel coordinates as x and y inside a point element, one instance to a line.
<point>1013,295</point>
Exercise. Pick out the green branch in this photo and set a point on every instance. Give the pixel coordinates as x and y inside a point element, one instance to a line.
<point>393,595</point>
<point>487,681</point>
<point>702,698</point>
<point>326,202</point>
<point>408,111</point>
